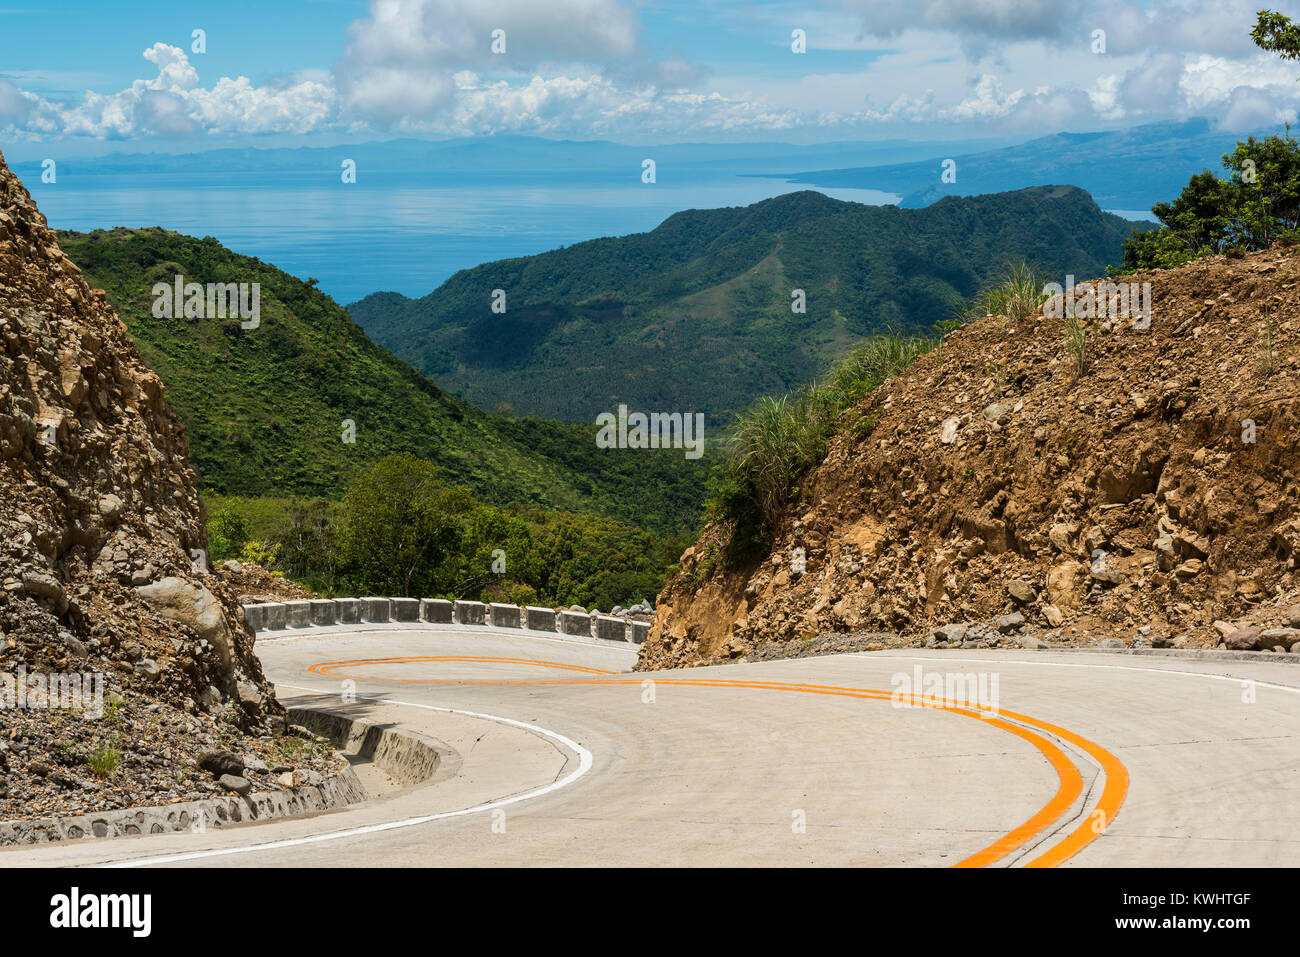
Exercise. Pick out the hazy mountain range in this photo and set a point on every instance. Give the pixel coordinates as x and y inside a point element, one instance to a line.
<point>1124,169</point>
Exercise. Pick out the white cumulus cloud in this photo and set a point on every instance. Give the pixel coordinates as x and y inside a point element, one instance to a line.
<point>174,101</point>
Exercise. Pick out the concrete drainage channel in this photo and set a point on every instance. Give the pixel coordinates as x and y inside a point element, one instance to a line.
<point>276,616</point>
<point>404,756</point>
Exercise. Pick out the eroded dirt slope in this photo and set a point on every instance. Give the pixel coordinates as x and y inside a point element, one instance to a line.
<point>1152,498</point>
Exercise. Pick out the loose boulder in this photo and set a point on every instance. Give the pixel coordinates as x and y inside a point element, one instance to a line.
<point>192,606</point>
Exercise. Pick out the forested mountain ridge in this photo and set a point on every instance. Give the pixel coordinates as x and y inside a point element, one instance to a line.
<point>699,314</point>
<point>267,408</point>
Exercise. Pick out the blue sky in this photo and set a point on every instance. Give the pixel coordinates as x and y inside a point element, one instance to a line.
<point>125,75</point>
<point>98,44</point>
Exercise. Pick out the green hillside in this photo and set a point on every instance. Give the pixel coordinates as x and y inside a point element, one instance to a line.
<point>265,407</point>
<point>696,314</point>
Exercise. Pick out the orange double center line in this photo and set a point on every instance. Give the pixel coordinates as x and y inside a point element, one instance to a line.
<point>1071,782</point>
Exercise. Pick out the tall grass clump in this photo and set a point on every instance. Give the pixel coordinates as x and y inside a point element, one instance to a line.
<point>1267,361</point>
<point>877,360</point>
<point>1076,345</point>
<point>105,759</point>
<point>1016,294</point>
<point>777,440</point>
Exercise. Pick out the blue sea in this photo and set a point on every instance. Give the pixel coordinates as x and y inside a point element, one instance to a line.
<point>405,233</point>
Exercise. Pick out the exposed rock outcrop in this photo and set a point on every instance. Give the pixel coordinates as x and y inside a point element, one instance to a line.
<point>102,540</point>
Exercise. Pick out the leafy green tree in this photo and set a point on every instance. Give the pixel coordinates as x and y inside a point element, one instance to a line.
<point>257,552</point>
<point>1265,177</point>
<point>1256,205</point>
<point>497,550</point>
<point>401,528</point>
<point>1157,249</point>
<point>227,533</point>
<point>1199,215</point>
<point>1277,33</point>
<point>309,543</point>
<point>546,557</point>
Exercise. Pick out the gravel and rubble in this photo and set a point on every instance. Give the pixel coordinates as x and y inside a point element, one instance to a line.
<point>141,753</point>
<point>252,584</point>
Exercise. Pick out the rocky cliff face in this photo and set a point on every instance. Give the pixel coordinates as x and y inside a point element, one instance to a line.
<point>1004,495</point>
<point>102,539</point>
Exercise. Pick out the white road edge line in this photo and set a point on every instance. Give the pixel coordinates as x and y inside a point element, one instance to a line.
<point>584,765</point>
<point>1079,664</point>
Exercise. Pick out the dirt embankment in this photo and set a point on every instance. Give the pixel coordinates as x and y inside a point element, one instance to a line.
<point>1152,498</point>
<point>253,584</point>
<point>102,560</point>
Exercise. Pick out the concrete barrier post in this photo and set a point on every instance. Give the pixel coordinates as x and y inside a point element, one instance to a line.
<point>254,615</point>
<point>504,616</point>
<point>610,628</point>
<point>436,609</point>
<point>575,623</point>
<point>276,615</point>
<point>406,609</point>
<point>640,631</point>
<point>324,612</point>
<point>468,612</point>
<point>376,609</point>
<point>299,613</point>
<point>539,619</point>
<point>349,610</point>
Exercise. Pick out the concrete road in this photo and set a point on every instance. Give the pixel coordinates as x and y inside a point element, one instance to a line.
<point>557,756</point>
